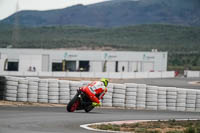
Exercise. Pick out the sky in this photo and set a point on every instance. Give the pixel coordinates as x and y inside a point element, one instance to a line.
<point>8,7</point>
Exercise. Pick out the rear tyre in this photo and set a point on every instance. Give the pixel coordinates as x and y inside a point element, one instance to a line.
<point>89,108</point>
<point>73,104</point>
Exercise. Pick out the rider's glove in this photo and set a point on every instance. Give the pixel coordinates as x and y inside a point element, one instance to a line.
<point>94,104</point>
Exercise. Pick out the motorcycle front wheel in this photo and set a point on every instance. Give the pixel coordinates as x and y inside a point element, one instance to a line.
<point>73,104</point>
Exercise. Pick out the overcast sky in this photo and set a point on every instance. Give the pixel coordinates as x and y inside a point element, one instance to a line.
<point>8,7</point>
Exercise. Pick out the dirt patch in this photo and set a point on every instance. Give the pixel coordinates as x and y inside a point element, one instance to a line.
<point>17,104</point>
<point>10,103</point>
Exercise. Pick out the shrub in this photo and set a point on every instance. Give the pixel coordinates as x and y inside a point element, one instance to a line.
<point>190,130</point>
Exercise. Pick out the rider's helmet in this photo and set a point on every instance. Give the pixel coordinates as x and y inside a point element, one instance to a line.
<point>105,81</point>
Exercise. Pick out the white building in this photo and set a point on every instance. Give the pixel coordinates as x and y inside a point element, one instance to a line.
<point>43,60</point>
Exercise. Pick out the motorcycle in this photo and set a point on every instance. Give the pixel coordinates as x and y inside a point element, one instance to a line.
<point>80,102</point>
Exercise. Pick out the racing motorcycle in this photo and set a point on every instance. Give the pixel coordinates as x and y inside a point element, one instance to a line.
<point>80,102</point>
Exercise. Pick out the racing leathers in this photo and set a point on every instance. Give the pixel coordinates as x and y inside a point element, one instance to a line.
<point>95,91</point>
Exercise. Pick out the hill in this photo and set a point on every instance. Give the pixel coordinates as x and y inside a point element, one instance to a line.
<point>140,37</point>
<point>115,13</point>
<point>182,42</point>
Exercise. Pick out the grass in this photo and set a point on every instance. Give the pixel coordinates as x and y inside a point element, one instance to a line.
<point>170,126</point>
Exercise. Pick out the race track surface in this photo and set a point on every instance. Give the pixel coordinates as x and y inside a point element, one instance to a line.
<point>168,82</point>
<point>57,120</point>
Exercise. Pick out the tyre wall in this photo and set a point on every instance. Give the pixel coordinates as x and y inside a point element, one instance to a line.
<point>128,95</point>
<point>2,87</point>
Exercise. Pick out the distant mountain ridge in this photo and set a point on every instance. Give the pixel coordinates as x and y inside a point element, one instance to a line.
<point>115,13</point>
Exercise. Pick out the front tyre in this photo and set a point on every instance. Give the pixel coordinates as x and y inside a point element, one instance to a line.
<point>73,104</point>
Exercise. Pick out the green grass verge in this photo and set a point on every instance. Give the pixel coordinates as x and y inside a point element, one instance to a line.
<point>170,126</point>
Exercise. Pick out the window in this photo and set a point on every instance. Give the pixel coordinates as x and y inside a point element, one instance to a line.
<point>84,66</point>
<point>13,66</point>
<point>71,66</point>
<point>57,67</point>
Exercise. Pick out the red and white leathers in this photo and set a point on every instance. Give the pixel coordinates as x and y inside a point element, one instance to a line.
<point>94,89</point>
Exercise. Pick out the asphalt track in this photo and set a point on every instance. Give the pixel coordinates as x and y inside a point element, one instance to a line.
<point>178,82</point>
<point>57,120</point>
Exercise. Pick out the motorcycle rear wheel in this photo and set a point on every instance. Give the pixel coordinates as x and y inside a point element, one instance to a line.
<point>89,108</point>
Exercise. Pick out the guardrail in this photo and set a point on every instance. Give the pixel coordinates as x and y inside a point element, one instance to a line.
<point>116,75</point>
<point>128,95</point>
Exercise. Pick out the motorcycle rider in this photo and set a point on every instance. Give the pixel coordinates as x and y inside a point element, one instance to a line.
<point>96,90</point>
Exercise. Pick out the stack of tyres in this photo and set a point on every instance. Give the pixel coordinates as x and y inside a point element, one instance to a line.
<point>152,98</point>
<point>22,92</point>
<point>107,99</point>
<point>43,91</point>
<point>191,100</point>
<point>11,88</point>
<point>32,89</point>
<point>64,95</point>
<point>119,92</point>
<point>141,96</point>
<point>2,87</point>
<point>162,98</point>
<point>74,86</point>
<point>181,100</point>
<point>131,94</point>
<point>53,91</point>
<point>171,98</point>
<point>198,101</point>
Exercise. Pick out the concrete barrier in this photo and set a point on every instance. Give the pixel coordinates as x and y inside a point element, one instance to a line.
<point>31,74</point>
<point>192,74</point>
<point>141,75</point>
<point>115,75</point>
<point>101,74</point>
<point>168,74</point>
<point>58,74</point>
<point>45,74</point>
<point>87,74</point>
<point>155,74</point>
<point>11,73</point>
<point>73,74</point>
<point>128,75</point>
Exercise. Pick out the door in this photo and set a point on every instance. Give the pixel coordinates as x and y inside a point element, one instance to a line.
<point>45,63</point>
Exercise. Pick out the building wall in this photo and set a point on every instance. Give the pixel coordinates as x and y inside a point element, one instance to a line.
<point>133,66</point>
<point>123,66</point>
<point>110,66</point>
<point>131,61</point>
<point>26,61</point>
<point>45,63</point>
<point>96,66</point>
<point>147,66</point>
<point>2,61</point>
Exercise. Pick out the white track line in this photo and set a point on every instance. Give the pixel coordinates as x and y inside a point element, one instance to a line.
<point>194,82</point>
